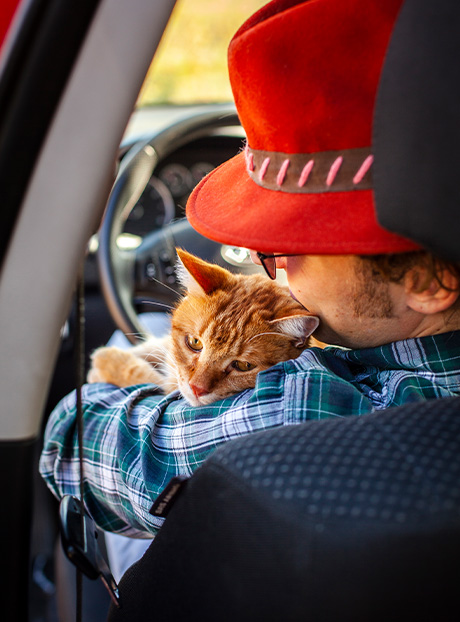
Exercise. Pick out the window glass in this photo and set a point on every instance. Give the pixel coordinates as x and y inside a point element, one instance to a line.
<point>190,66</point>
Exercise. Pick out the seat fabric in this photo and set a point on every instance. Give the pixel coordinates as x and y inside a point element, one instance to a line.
<point>347,519</point>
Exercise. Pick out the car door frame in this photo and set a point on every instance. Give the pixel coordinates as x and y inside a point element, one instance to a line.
<point>57,193</point>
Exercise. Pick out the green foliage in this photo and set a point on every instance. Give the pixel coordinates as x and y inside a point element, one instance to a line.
<point>190,65</point>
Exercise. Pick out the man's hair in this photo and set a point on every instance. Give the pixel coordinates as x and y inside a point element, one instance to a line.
<point>393,268</point>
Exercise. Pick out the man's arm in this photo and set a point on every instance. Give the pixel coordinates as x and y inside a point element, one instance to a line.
<point>131,452</point>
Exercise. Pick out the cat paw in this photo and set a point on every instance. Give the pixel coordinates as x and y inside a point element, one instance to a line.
<point>105,365</point>
<point>95,375</point>
<point>121,368</point>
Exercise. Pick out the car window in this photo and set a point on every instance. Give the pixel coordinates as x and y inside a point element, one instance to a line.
<point>190,66</point>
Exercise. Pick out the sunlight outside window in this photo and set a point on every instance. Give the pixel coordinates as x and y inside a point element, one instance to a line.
<point>190,66</point>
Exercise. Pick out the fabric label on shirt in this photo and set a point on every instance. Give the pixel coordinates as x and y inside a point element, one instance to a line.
<point>168,496</point>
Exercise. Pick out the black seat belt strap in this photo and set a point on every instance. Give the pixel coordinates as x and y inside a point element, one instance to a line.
<point>78,530</point>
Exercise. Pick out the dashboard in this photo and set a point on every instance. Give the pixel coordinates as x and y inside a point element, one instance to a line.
<point>166,194</point>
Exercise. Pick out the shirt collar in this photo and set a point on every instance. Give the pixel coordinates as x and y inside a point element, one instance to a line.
<point>437,353</point>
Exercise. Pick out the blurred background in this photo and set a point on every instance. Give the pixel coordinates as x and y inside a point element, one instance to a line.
<point>190,66</point>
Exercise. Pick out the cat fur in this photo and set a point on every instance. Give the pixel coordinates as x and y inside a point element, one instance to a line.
<point>239,320</point>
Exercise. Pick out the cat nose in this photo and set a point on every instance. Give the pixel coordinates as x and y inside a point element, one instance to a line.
<point>198,391</point>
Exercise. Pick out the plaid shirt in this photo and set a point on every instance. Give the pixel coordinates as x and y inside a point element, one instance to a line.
<point>130,453</point>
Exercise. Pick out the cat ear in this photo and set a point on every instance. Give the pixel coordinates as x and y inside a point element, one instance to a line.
<point>299,327</point>
<point>198,276</point>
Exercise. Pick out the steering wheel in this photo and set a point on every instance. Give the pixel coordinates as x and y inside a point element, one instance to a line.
<point>147,272</point>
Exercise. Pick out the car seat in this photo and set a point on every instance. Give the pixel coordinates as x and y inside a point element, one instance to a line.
<point>342,519</point>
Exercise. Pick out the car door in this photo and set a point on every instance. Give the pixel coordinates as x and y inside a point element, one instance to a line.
<point>69,77</point>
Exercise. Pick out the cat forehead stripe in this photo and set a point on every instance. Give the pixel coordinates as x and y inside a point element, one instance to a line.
<point>311,173</point>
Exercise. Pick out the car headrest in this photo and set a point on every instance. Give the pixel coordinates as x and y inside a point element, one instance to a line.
<point>416,136</point>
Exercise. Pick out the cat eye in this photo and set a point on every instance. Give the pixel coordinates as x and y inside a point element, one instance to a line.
<point>242,365</point>
<point>269,263</point>
<point>193,343</point>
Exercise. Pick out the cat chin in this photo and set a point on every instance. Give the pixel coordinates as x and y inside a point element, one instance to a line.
<point>189,397</point>
<point>199,401</point>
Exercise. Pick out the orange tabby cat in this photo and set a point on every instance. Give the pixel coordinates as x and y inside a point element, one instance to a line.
<point>225,330</point>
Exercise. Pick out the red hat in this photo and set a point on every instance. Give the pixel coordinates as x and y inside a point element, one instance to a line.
<point>304,76</point>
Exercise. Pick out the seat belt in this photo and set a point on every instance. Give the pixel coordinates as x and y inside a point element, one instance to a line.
<point>79,534</point>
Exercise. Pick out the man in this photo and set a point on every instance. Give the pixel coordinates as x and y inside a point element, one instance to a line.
<point>305,77</point>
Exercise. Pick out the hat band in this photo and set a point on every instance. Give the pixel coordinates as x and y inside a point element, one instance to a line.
<point>311,173</point>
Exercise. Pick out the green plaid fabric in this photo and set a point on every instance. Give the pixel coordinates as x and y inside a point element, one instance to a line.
<point>130,453</point>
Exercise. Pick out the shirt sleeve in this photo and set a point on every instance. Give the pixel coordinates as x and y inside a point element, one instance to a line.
<point>133,446</point>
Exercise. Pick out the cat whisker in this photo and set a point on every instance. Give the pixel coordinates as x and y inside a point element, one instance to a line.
<point>154,359</point>
<point>159,304</point>
<point>163,358</point>
<point>171,369</point>
<point>170,363</point>
<point>139,336</point>
<point>152,278</point>
<point>156,354</point>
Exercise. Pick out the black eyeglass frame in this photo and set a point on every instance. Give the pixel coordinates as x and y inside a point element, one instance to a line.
<point>270,269</point>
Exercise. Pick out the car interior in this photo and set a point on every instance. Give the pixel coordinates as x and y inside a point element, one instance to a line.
<point>94,193</point>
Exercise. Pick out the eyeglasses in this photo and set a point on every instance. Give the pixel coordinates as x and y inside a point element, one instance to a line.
<point>269,263</point>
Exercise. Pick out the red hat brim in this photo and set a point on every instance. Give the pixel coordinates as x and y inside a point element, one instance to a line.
<point>229,207</point>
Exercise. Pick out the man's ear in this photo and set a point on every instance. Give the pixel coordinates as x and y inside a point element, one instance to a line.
<point>436,296</point>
